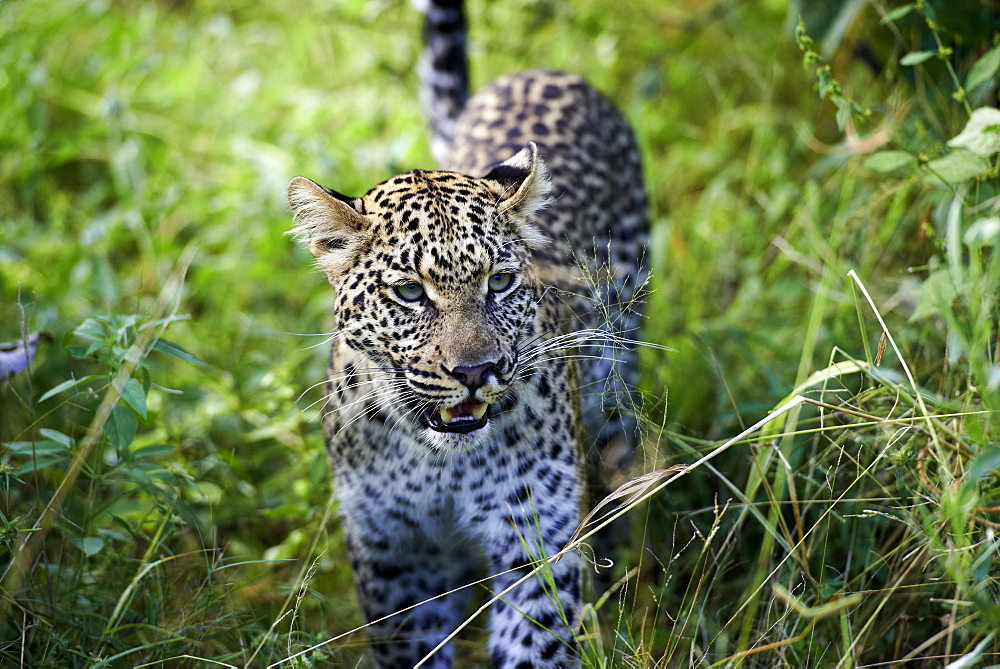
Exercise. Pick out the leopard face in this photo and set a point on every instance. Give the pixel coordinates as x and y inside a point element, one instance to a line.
<point>435,287</point>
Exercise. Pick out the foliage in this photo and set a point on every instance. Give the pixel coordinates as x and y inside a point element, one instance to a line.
<point>165,493</point>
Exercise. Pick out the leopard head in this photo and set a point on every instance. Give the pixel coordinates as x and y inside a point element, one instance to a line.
<point>434,285</point>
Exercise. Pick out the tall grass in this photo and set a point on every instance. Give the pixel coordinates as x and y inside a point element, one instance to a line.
<point>824,265</point>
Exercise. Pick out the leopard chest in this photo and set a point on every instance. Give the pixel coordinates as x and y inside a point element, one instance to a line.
<point>386,474</point>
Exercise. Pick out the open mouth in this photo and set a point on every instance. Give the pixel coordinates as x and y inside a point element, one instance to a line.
<point>462,418</point>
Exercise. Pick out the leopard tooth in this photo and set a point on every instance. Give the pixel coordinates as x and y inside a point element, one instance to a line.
<point>445,414</point>
<point>479,410</point>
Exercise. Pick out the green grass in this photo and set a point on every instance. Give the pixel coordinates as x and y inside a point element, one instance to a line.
<point>186,513</point>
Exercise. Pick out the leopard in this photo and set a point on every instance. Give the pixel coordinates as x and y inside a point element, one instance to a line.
<point>480,373</point>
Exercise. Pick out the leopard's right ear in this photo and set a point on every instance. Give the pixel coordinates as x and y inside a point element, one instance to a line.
<point>329,221</point>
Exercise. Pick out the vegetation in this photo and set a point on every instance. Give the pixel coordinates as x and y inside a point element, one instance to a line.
<point>821,251</point>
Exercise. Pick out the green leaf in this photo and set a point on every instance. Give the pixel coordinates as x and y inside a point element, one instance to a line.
<point>78,352</point>
<point>897,13</point>
<point>121,428</point>
<point>983,465</point>
<point>57,436</point>
<point>94,347</point>
<point>28,447</point>
<point>916,57</point>
<point>41,461</point>
<point>92,545</point>
<point>936,292</point>
<point>41,454</point>
<point>959,166</point>
<point>177,351</point>
<point>66,385</point>
<point>980,133</point>
<point>152,451</point>
<point>984,69</point>
<point>91,329</point>
<point>135,397</point>
<point>887,161</point>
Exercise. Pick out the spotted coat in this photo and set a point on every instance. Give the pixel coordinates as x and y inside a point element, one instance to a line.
<point>454,418</point>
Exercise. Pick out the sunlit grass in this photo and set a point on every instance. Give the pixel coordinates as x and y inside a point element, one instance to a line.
<point>141,139</point>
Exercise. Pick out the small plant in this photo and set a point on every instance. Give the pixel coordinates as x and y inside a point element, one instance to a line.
<point>94,508</point>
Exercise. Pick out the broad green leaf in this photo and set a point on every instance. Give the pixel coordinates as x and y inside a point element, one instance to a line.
<point>152,451</point>
<point>94,347</point>
<point>121,428</point>
<point>166,477</point>
<point>960,165</point>
<point>936,291</point>
<point>77,351</point>
<point>136,475</point>
<point>177,351</point>
<point>66,385</point>
<point>887,161</point>
<point>92,545</point>
<point>916,57</point>
<point>90,329</point>
<point>897,13</point>
<point>981,134</point>
<point>28,447</point>
<point>135,397</point>
<point>57,436</point>
<point>984,464</point>
<point>984,69</point>
<point>39,462</point>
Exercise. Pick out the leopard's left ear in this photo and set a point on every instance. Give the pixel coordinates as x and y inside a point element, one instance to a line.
<point>522,183</point>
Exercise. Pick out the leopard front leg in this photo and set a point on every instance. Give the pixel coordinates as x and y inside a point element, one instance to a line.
<point>532,625</point>
<point>387,586</point>
<point>396,566</point>
<point>532,517</point>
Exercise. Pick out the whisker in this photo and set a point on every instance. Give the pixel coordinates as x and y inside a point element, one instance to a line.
<point>362,371</point>
<point>387,390</point>
<point>368,412</point>
<point>341,389</point>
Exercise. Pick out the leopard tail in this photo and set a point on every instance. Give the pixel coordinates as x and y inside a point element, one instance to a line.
<point>443,70</point>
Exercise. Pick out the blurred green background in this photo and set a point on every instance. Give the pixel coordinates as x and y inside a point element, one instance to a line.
<point>144,151</point>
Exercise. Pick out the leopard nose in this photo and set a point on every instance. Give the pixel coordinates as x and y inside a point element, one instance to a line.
<point>473,377</point>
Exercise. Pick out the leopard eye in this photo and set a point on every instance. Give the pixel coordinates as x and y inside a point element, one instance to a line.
<point>500,282</point>
<point>411,291</point>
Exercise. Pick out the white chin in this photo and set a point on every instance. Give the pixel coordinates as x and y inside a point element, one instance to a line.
<point>454,442</point>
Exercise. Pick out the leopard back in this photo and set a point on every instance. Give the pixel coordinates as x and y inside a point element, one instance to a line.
<point>598,221</point>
